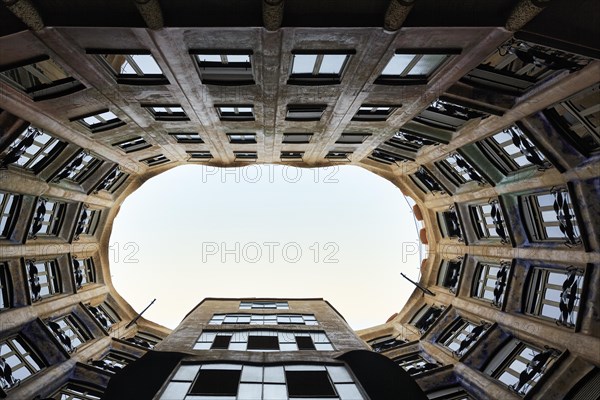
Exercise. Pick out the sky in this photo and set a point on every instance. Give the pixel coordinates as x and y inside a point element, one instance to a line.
<point>340,233</point>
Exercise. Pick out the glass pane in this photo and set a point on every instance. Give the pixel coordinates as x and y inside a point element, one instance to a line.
<point>304,63</point>
<point>332,63</point>
<point>397,64</point>
<point>427,64</point>
<point>238,58</point>
<point>275,392</point>
<point>186,373</point>
<point>146,63</point>
<point>176,391</point>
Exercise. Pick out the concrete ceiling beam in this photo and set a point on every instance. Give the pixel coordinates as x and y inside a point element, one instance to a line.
<point>151,13</point>
<point>396,14</point>
<point>524,11</point>
<point>26,12</point>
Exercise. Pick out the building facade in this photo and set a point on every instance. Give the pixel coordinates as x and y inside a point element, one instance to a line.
<point>484,113</point>
<point>262,349</point>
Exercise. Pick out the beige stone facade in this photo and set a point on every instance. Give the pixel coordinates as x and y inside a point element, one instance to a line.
<point>488,122</point>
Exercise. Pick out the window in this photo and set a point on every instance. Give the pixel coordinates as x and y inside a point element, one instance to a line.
<point>491,281</point>
<point>489,222</point>
<point>338,155</point>
<point>47,218</point>
<point>305,112</point>
<point>133,67</point>
<point>5,289</point>
<point>353,138</point>
<point>144,340</point>
<point>114,361</point>
<point>449,224</point>
<point>291,155</point>
<point>425,317</point>
<point>451,393</point>
<point>166,112</point>
<point>105,315</point>
<point>462,335</point>
<point>297,138</point>
<point>230,67</point>
<point>113,180</point>
<point>385,343</point>
<point>245,155</point>
<point>133,144</point>
<point>199,155</point>
<point>443,114</point>
<point>83,271</point>
<point>69,332</point>
<point>263,319</point>
<point>79,169</point>
<point>33,150</point>
<point>317,68</point>
<point>264,305</point>
<point>520,366</point>
<point>187,137</point>
<point>369,112</point>
<point>235,112</point>
<point>459,171</point>
<point>87,223</point>
<point>40,78</point>
<point>241,138</point>
<point>578,117</point>
<point>77,392</point>
<point>413,67</point>
<point>240,381</point>
<point>510,150</point>
<point>555,294</point>
<point>426,181</point>
<point>9,206</point>
<point>415,364</point>
<point>248,340</point>
<point>155,160</point>
<point>99,121</point>
<point>43,279</point>
<point>518,65</point>
<point>550,217</point>
<point>386,156</point>
<point>17,362</point>
<point>411,142</point>
<point>449,274</point>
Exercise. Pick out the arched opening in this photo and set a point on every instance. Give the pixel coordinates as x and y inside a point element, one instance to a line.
<point>341,233</point>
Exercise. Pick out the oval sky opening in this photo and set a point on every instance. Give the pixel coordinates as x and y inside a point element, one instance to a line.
<point>341,233</point>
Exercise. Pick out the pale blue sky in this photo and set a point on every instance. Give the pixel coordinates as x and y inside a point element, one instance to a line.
<point>265,231</point>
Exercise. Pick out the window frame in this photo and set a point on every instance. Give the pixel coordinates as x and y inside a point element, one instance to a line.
<point>245,156</point>
<point>199,155</point>
<point>186,137</point>
<point>139,78</point>
<point>446,272</point>
<point>483,279</point>
<point>536,224</point>
<point>498,154</point>
<point>236,114</point>
<point>173,112</point>
<point>374,114</point>
<point>287,138</point>
<point>244,138</point>
<point>79,168</point>
<point>352,138</point>
<point>207,68</point>
<point>103,125</point>
<point>43,91</point>
<point>27,359</point>
<point>88,271</point>
<point>153,161</point>
<point>50,222</point>
<point>585,147</point>
<point>51,282</point>
<point>415,79</point>
<point>461,331</point>
<point>70,324</point>
<point>305,112</point>
<point>132,145</point>
<point>45,153</point>
<point>315,77</point>
<point>10,207</point>
<point>511,354</point>
<point>486,230</point>
<point>6,289</point>
<point>536,298</point>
